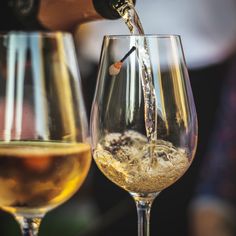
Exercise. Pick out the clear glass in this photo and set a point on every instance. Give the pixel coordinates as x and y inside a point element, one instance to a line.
<point>124,108</point>
<point>44,150</point>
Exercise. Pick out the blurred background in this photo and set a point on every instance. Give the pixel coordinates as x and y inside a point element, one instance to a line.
<point>203,201</point>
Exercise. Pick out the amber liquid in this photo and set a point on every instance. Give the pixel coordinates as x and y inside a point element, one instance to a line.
<point>38,176</point>
<point>132,163</point>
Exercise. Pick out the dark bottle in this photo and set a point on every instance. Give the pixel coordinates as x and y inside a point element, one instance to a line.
<point>63,14</point>
<point>106,8</point>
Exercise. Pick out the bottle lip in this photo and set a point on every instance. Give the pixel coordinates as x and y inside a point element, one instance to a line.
<point>105,8</point>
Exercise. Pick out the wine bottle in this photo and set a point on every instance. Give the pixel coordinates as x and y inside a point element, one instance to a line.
<point>106,8</point>
<point>63,14</point>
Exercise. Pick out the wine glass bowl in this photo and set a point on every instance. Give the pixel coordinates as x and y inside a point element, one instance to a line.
<point>143,121</point>
<point>44,150</point>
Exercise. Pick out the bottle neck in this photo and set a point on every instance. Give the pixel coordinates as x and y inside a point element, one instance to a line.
<point>106,8</point>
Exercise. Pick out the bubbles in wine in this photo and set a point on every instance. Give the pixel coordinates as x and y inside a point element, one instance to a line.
<point>135,164</point>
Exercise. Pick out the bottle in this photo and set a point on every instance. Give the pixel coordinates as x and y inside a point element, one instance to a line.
<point>106,8</point>
<point>63,14</point>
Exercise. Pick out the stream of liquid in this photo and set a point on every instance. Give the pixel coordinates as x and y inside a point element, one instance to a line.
<point>128,13</point>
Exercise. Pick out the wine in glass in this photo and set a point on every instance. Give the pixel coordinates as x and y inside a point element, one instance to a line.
<point>143,121</point>
<point>44,150</point>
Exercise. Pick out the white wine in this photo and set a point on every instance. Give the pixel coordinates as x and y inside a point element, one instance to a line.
<point>37,176</point>
<point>132,163</point>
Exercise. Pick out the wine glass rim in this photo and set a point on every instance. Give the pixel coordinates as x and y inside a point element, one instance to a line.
<point>158,36</point>
<point>45,34</point>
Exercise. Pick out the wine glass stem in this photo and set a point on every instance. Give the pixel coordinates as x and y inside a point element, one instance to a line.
<point>29,226</point>
<point>143,210</point>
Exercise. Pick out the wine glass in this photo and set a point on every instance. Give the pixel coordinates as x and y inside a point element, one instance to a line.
<point>44,150</point>
<point>143,120</point>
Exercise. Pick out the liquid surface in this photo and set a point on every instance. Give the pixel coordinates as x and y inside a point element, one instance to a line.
<point>37,176</point>
<point>132,163</point>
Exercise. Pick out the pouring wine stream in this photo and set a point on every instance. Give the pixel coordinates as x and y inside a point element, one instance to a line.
<point>131,18</point>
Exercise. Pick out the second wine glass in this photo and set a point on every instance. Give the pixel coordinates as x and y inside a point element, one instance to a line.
<point>44,150</point>
<point>143,121</point>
